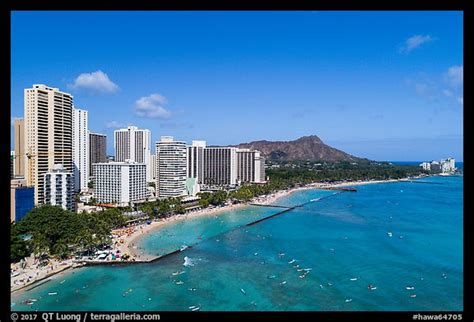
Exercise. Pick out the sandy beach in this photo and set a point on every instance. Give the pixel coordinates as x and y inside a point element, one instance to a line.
<point>125,240</point>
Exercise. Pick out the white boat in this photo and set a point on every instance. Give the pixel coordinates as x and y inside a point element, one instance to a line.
<point>410,288</point>
<point>175,273</point>
<point>183,247</point>
<point>371,287</point>
<point>354,279</point>
<point>389,234</point>
<point>192,306</point>
<point>307,269</point>
<point>413,295</point>
<point>179,282</point>
<point>283,283</point>
<point>196,309</point>
<point>321,286</point>
<point>348,300</point>
<point>292,261</point>
<point>255,254</point>
<point>243,291</point>
<point>52,293</point>
<point>271,276</point>
<point>302,276</point>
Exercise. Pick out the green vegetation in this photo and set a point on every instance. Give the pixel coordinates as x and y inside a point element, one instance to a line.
<point>61,233</point>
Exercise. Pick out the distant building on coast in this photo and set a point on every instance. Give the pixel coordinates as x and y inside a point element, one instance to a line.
<point>250,166</point>
<point>80,149</point>
<point>120,182</point>
<point>444,166</point>
<point>59,188</point>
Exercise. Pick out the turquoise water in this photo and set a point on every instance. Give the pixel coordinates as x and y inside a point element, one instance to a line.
<point>340,237</point>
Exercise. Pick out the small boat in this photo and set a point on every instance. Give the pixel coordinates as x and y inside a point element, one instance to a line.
<point>389,234</point>
<point>307,269</point>
<point>300,270</point>
<point>192,306</point>
<point>255,254</point>
<point>271,276</point>
<point>175,273</point>
<point>196,309</point>
<point>444,275</point>
<point>292,261</point>
<point>183,247</point>
<point>354,279</point>
<point>329,284</point>
<point>33,300</point>
<point>410,288</point>
<point>302,276</point>
<point>321,286</point>
<point>52,293</point>
<point>401,237</point>
<point>413,295</point>
<point>348,300</point>
<point>243,291</point>
<point>179,282</point>
<point>371,287</point>
<point>283,283</point>
<point>281,254</point>
<point>191,289</point>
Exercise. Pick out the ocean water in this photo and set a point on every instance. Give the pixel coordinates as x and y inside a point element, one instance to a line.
<point>339,238</point>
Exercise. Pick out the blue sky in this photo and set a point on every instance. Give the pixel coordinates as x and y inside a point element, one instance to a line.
<point>381,85</point>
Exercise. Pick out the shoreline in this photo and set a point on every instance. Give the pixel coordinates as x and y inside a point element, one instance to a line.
<point>125,240</point>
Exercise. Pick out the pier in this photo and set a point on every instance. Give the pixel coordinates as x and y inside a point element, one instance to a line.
<point>263,205</point>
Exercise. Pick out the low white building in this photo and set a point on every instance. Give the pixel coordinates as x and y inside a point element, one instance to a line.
<point>120,182</point>
<point>59,188</point>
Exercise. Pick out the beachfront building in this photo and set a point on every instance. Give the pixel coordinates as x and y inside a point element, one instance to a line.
<point>19,139</point>
<point>22,199</point>
<point>425,166</point>
<point>171,167</point>
<point>435,166</point>
<point>80,149</point>
<point>59,187</point>
<point>195,160</point>
<point>220,166</point>
<point>250,166</point>
<point>134,144</point>
<point>48,134</point>
<point>120,182</point>
<point>97,149</point>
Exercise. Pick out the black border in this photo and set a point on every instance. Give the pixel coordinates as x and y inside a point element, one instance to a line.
<point>427,5</point>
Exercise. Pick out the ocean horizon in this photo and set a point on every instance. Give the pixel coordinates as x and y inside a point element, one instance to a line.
<point>387,247</point>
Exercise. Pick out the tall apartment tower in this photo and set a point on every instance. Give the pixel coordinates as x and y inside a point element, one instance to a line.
<point>171,167</point>
<point>97,149</point>
<point>250,166</point>
<point>48,134</point>
<point>19,133</point>
<point>195,161</point>
<point>153,166</point>
<point>59,188</point>
<point>133,144</point>
<point>80,149</point>
<point>220,166</point>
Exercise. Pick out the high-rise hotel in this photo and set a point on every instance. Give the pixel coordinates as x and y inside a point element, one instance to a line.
<point>97,149</point>
<point>48,134</point>
<point>220,166</point>
<point>134,144</point>
<point>195,160</point>
<point>250,166</point>
<point>171,167</point>
<point>80,149</point>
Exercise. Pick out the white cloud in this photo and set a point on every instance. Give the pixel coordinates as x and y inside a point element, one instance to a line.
<point>114,125</point>
<point>414,42</point>
<point>454,76</point>
<point>460,100</point>
<point>96,81</point>
<point>152,107</point>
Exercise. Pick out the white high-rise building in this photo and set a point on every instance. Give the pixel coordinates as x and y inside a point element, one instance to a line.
<point>59,188</point>
<point>133,144</point>
<point>80,149</point>
<point>48,134</point>
<point>220,166</point>
<point>425,166</point>
<point>195,161</point>
<point>171,168</point>
<point>120,182</point>
<point>250,166</point>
